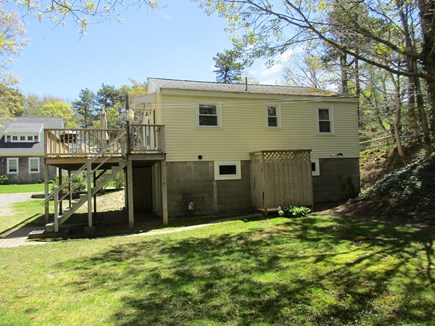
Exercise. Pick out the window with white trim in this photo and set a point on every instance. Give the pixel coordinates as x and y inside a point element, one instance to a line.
<point>227,170</point>
<point>14,138</point>
<point>30,138</point>
<point>272,116</point>
<point>208,115</point>
<point>22,138</point>
<point>12,165</point>
<point>324,119</point>
<point>34,165</point>
<point>315,167</point>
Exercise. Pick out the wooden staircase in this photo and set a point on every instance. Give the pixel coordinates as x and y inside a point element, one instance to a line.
<point>64,191</point>
<point>84,198</point>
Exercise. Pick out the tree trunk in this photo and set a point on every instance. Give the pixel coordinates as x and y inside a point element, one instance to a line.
<point>427,15</point>
<point>344,74</point>
<point>397,115</point>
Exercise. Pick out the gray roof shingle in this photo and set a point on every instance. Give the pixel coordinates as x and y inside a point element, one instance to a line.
<point>160,83</point>
<point>27,124</point>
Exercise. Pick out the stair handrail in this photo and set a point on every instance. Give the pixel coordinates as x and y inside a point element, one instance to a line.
<point>84,167</point>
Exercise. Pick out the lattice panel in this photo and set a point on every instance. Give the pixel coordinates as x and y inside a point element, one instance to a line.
<point>281,156</point>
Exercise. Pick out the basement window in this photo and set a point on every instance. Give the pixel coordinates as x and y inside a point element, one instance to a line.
<point>315,167</point>
<point>229,170</point>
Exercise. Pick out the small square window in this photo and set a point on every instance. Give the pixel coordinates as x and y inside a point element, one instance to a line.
<point>15,138</point>
<point>30,138</point>
<point>208,115</point>
<point>22,138</point>
<point>229,170</point>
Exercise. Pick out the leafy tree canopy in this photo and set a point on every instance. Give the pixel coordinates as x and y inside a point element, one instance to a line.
<point>229,66</point>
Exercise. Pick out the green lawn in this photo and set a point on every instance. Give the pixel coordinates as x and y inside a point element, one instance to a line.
<point>28,213</point>
<point>12,189</point>
<point>318,270</point>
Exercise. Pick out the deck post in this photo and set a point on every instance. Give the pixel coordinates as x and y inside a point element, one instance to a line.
<point>130,193</point>
<point>95,195</point>
<point>89,179</point>
<point>69,189</point>
<point>56,209</point>
<point>46,193</point>
<point>60,183</point>
<point>164,193</point>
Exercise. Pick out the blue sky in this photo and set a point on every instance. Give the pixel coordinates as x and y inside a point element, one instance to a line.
<point>177,40</point>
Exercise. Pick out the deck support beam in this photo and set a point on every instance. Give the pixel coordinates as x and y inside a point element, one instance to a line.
<point>46,193</point>
<point>130,198</point>
<point>164,187</point>
<point>89,179</point>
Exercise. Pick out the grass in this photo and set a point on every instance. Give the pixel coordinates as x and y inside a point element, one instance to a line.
<point>17,188</point>
<point>27,213</point>
<point>315,270</point>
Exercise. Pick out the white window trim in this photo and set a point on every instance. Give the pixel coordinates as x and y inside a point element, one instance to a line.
<point>331,120</point>
<point>218,176</point>
<point>316,171</point>
<point>30,165</point>
<point>278,116</point>
<point>218,113</point>
<point>8,160</point>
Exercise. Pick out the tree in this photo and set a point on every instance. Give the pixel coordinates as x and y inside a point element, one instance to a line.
<point>11,102</point>
<point>229,66</point>
<point>86,107</point>
<point>368,31</point>
<point>307,69</point>
<point>59,109</point>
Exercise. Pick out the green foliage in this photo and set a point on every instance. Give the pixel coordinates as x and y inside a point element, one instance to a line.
<point>406,193</point>
<point>119,180</point>
<point>229,66</point>
<point>296,211</point>
<point>11,102</point>
<point>4,179</point>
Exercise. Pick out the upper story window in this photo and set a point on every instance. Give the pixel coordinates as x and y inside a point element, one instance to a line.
<point>324,118</point>
<point>23,138</point>
<point>208,115</point>
<point>272,116</point>
<point>12,165</point>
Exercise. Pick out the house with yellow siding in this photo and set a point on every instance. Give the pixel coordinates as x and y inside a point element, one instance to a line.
<point>201,148</point>
<point>215,131</point>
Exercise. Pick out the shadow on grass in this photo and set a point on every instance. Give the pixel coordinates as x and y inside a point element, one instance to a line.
<point>310,270</point>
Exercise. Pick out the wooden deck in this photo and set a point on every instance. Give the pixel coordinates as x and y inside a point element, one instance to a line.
<point>70,148</point>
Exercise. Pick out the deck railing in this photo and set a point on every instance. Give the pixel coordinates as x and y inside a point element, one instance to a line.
<point>87,142</point>
<point>146,138</point>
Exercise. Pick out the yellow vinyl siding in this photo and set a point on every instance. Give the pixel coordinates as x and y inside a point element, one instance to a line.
<point>244,128</point>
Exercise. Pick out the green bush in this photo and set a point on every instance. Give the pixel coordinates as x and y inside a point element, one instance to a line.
<point>296,211</point>
<point>4,179</point>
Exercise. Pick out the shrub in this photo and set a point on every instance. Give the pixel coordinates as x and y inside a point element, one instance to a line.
<point>4,179</point>
<point>296,211</point>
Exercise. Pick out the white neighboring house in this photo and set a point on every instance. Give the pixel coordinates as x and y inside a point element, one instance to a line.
<point>22,148</point>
